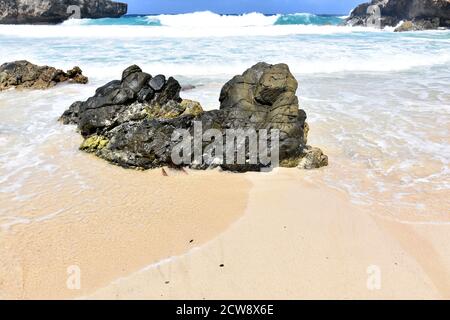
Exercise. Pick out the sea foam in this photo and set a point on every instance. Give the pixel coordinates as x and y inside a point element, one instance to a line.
<point>208,19</point>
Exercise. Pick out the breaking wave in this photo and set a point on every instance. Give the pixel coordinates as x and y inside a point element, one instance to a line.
<point>210,19</point>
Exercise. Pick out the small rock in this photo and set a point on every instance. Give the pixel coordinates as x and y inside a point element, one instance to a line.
<point>169,110</point>
<point>74,72</point>
<point>312,158</point>
<point>136,81</point>
<point>305,132</point>
<point>76,75</point>
<point>107,88</point>
<point>169,92</point>
<point>191,107</point>
<point>187,87</point>
<point>157,82</point>
<point>130,70</point>
<point>405,26</point>
<point>24,74</point>
<point>94,143</point>
<point>146,95</point>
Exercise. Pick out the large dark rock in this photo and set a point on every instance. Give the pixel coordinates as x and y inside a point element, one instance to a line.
<point>131,122</point>
<point>57,11</point>
<point>417,14</point>
<point>24,74</point>
<point>263,97</point>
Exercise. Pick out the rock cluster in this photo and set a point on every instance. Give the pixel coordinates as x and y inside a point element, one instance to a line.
<point>24,74</point>
<point>56,11</point>
<point>130,122</point>
<point>413,14</point>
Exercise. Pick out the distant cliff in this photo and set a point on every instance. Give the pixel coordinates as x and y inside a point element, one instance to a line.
<point>416,14</point>
<point>57,11</point>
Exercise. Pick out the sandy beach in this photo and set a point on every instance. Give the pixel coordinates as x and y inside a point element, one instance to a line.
<point>211,235</point>
<point>301,242</point>
<point>125,220</point>
<point>218,235</point>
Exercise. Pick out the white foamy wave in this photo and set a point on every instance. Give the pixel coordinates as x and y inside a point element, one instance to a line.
<point>207,19</point>
<point>79,30</point>
<point>375,64</point>
<point>392,29</point>
<point>76,22</point>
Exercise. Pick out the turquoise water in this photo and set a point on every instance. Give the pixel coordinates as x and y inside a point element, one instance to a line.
<point>306,18</point>
<point>126,20</point>
<point>275,19</point>
<point>378,102</point>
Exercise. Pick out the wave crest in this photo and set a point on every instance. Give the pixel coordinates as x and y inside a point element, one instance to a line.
<point>308,19</point>
<point>210,19</point>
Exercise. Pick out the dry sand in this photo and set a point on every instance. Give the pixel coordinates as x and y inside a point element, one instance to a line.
<point>299,240</point>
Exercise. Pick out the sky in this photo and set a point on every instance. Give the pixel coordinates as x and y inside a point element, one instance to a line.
<point>241,6</point>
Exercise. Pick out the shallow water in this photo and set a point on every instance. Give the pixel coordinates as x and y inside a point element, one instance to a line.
<point>378,103</point>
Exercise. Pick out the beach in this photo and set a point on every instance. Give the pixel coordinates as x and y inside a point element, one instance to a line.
<point>372,224</point>
<point>305,241</point>
<point>125,220</point>
<point>256,236</point>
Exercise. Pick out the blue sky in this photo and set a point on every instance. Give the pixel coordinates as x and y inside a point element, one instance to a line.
<point>242,6</point>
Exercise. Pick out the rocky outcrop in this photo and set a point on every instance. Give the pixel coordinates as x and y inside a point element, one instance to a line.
<point>57,11</point>
<point>415,14</point>
<point>130,122</point>
<point>24,74</point>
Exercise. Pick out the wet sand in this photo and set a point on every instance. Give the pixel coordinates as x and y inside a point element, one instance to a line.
<point>302,240</point>
<point>123,221</point>
<point>218,235</point>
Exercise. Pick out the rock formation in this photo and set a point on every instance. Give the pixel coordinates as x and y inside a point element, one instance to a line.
<point>57,11</point>
<point>130,122</point>
<point>23,74</point>
<point>415,14</point>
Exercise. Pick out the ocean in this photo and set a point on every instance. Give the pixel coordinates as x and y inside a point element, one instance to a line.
<point>378,102</point>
